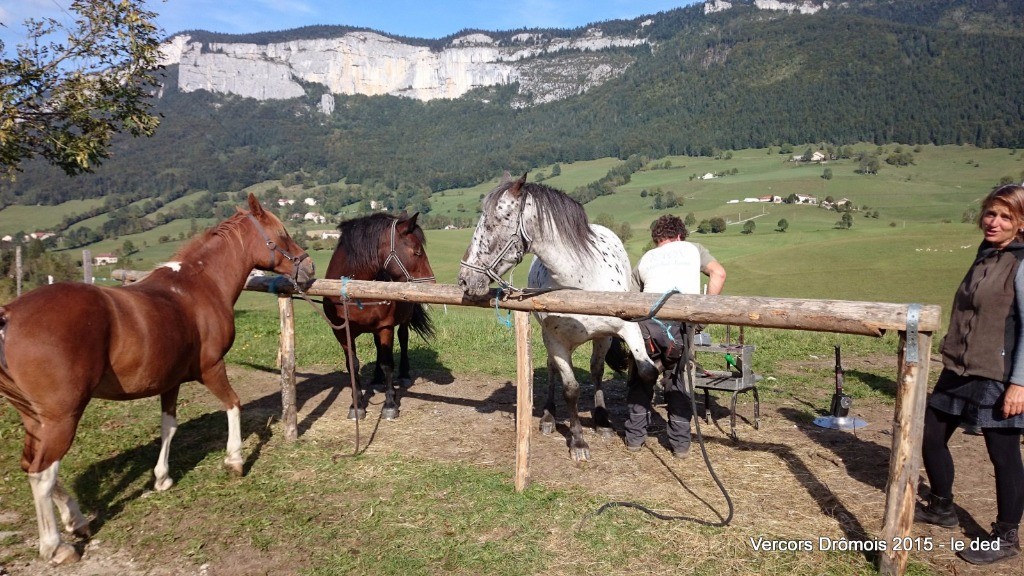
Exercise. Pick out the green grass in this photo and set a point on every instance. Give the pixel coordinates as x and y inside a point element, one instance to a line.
<point>36,218</point>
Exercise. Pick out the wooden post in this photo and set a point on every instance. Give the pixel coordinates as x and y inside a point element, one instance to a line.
<point>87,266</point>
<point>17,269</point>
<point>524,398</point>
<point>905,457</point>
<point>287,355</point>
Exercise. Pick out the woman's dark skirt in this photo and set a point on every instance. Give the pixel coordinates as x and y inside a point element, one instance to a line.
<point>978,401</point>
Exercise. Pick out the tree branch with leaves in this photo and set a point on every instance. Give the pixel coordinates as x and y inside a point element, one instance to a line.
<point>70,88</point>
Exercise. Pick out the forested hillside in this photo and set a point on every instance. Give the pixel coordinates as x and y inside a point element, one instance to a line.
<point>914,72</point>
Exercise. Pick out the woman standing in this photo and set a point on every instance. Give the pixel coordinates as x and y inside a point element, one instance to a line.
<point>982,380</point>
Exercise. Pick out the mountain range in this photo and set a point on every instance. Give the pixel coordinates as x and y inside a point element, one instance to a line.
<point>326,104</point>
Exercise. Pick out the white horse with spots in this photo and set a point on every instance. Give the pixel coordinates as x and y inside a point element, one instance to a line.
<point>570,253</point>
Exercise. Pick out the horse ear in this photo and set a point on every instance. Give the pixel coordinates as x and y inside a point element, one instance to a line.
<point>410,225</point>
<point>517,186</point>
<point>506,177</point>
<point>254,206</point>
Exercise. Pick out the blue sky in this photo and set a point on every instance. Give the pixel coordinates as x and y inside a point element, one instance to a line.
<point>413,18</point>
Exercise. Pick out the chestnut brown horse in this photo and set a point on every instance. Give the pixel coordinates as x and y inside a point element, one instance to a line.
<point>64,344</point>
<point>387,248</point>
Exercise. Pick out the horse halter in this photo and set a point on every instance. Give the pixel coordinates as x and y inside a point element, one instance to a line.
<point>295,260</point>
<point>393,255</point>
<point>490,270</point>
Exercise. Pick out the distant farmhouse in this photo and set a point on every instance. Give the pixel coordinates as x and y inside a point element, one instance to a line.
<point>324,234</point>
<point>836,204</point>
<point>104,259</point>
<point>816,157</point>
<point>30,236</point>
<point>775,199</point>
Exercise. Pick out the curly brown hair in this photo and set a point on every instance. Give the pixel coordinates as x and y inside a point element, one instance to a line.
<point>667,227</point>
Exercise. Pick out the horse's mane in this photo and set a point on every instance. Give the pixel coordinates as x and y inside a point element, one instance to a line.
<point>229,227</point>
<point>360,241</point>
<point>560,214</point>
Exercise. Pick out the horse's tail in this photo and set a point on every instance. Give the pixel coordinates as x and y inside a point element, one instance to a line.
<point>8,388</point>
<point>618,357</point>
<point>421,322</point>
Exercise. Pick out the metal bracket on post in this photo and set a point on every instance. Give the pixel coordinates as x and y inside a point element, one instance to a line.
<point>912,354</point>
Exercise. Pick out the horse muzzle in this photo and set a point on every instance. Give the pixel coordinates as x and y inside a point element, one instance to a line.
<point>474,284</point>
<point>305,271</point>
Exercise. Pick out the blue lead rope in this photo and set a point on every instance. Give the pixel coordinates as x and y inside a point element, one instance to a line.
<point>654,310</point>
<point>344,291</point>
<point>507,320</point>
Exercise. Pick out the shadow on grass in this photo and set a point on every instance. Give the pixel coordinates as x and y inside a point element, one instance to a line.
<point>105,487</point>
<point>877,383</point>
<point>828,503</point>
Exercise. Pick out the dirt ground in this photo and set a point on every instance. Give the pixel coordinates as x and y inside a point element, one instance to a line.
<point>788,478</point>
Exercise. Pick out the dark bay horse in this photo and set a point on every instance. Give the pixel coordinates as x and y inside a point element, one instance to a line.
<point>520,217</point>
<point>62,345</point>
<point>387,248</point>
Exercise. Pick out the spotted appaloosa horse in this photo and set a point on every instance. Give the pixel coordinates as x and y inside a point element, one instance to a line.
<point>62,345</point>
<point>388,248</point>
<point>570,253</point>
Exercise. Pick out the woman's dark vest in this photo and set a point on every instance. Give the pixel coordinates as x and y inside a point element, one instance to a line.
<point>982,332</point>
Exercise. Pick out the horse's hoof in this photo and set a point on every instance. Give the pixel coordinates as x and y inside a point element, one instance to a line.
<point>580,455</point>
<point>82,531</point>
<point>352,413</point>
<point>163,484</point>
<point>65,554</point>
<point>233,468</point>
<point>404,382</point>
<point>547,426</point>
<point>389,413</point>
<point>605,431</point>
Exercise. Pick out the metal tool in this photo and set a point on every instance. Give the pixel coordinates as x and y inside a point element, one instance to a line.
<point>839,412</point>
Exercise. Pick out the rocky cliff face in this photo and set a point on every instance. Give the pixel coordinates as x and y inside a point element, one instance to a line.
<point>546,68</point>
<point>372,64</point>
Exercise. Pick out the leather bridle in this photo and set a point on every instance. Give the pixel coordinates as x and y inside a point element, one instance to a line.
<point>393,255</point>
<point>275,249</point>
<point>491,269</point>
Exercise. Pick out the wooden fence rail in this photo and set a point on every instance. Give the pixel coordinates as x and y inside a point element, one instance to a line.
<point>914,323</point>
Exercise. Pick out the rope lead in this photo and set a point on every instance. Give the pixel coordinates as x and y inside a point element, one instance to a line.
<point>507,320</point>
<point>685,364</point>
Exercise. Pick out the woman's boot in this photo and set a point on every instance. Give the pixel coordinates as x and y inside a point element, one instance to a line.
<point>1004,543</point>
<point>938,511</point>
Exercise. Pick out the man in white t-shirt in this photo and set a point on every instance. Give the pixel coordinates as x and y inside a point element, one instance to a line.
<point>674,264</point>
